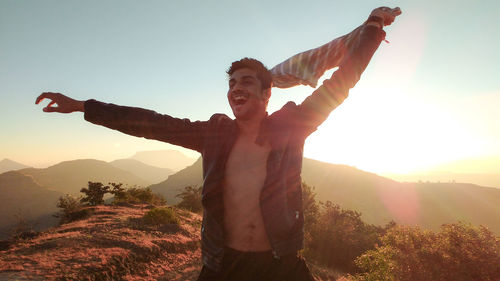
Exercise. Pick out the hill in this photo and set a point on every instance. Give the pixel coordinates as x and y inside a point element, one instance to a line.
<point>9,165</point>
<point>491,180</point>
<point>144,171</point>
<point>174,184</point>
<point>169,159</point>
<point>113,244</point>
<point>23,199</point>
<point>70,176</point>
<point>379,199</point>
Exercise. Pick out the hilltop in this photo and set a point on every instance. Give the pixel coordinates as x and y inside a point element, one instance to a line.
<point>169,159</point>
<point>109,245</point>
<point>9,165</point>
<point>70,176</point>
<point>112,244</point>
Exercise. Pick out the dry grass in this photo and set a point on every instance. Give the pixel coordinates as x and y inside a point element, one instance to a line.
<point>114,244</point>
<point>109,245</point>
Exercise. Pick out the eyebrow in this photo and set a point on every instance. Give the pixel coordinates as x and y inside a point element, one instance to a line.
<point>246,77</point>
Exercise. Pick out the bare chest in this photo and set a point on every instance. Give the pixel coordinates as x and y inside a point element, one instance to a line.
<point>246,167</point>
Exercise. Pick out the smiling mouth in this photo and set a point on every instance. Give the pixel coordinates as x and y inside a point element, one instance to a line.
<point>239,98</point>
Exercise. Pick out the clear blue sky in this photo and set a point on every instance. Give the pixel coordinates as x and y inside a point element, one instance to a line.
<point>429,96</point>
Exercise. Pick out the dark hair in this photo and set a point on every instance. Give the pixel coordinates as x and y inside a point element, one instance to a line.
<point>263,74</point>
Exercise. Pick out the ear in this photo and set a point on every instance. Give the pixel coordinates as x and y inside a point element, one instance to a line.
<point>266,94</point>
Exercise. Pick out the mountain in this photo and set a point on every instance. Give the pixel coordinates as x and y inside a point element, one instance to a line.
<point>9,165</point>
<point>70,176</point>
<point>491,180</point>
<point>170,159</point>
<point>174,184</point>
<point>379,199</point>
<point>144,171</point>
<point>24,200</point>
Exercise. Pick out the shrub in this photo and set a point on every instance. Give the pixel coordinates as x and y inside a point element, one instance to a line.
<point>161,216</point>
<point>136,195</point>
<point>458,252</point>
<point>191,199</point>
<point>71,209</point>
<point>337,236</point>
<point>94,194</point>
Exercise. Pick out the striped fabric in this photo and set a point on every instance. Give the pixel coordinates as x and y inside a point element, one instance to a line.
<point>307,67</point>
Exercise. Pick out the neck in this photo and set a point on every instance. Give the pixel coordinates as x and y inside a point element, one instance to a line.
<point>251,126</point>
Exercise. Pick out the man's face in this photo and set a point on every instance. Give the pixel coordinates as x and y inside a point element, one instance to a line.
<point>245,95</point>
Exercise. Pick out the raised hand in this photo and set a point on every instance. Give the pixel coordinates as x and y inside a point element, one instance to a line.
<point>60,103</point>
<point>386,14</point>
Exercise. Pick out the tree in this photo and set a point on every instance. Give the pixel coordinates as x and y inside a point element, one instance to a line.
<point>71,209</point>
<point>191,199</point>
<point>338,236</point>
<point>94,194</point>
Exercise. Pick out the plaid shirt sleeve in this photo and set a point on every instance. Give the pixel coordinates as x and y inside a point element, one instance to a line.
<point>148,124</point>
<point>307,67</point>
<point>351,53</point>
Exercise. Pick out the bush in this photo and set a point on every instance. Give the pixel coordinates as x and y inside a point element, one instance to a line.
<point>458,252</point>
<point>136,195</point>
<point>94,194</point>
<point>161,216</point>
<point>191,199</point>
<point>337,236</point>
<point>72,209</point>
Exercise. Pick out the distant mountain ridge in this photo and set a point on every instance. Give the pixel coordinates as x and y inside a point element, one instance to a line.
<point>490,180</point>
<point>9,165</point>
<point>169,159</point>
<point>174,184</point>
<point>23,199</point>
<point>70,176</point>
<point>379,199</point>
<point>147,172</point>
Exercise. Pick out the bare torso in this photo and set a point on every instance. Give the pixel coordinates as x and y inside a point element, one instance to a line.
<point>244,179</point>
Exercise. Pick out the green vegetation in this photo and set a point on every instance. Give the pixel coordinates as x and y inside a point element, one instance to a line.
<point>94,194</point>
<point>191,199</point>
<point>74,208</point>
<point>457,252</point>
<point>339,239</point>
<point>136,195</point>
<point>335,237</point>
<point>71,209</point>
<point>161,216</point>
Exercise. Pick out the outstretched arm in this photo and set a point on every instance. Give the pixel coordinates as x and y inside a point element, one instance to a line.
<point>132,120</point>
<point>316,108</point>
<point>307,67</point>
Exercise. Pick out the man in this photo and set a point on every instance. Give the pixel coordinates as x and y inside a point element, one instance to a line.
<point>253,221</point>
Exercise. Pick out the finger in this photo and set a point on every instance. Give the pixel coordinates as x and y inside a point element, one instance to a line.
<point>40,98</point>
<point>44,95</point>
<point>51,103</point>
<point>396,11</point>
<point>50,109</point>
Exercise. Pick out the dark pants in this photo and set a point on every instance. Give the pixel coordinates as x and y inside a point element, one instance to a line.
<point>257,266</point>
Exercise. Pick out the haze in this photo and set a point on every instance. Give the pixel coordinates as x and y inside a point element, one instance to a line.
<point>428,98</point>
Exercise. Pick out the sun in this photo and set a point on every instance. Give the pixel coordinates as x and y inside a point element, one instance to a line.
<point>390,132</point>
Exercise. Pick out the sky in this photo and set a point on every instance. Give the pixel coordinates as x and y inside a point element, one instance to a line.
<point>429,96</point>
